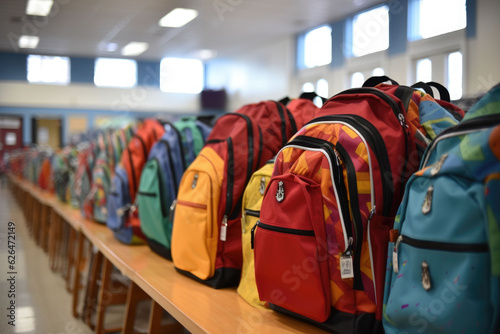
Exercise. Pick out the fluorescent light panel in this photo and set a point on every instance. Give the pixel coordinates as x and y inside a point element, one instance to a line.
<point>39,7</point>
<point>178,17</point>
<point>134,48</point>
<point>28,42</point>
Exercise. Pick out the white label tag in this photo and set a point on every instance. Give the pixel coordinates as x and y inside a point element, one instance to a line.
<point>346,270</point>
<point>395,260</point>
<point>223,230</point>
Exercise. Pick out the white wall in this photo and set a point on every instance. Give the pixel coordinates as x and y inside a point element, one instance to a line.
<point>260,74</point>
<point>81,96</point>
<point>269,73</point>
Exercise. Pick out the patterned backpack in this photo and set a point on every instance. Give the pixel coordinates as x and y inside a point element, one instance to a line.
<point>321,242</point>
<point>443,269</point>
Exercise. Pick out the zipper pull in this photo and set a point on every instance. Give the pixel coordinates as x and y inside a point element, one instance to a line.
<point>120,212</point>
<point>223,229</point>
<point>427,206</point>
<point>426,277</point>
<point>402,120</point>
<point>171,213</point>
<point>262,187</point>
<point>372,212</point>
<point>395,265</point>
<point>252,233</point>
<point>134,206</point>
<point>437,167</point>
<point>195,180</point>
<point>346,267</point>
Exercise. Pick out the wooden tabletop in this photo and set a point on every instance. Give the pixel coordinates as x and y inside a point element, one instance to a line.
<point>197,307</point>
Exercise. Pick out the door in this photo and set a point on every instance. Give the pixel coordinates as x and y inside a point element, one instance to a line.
<point>11,133</point>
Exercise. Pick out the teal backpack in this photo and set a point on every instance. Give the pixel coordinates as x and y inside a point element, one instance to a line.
<point>160,178</point>
<point>443,269</point>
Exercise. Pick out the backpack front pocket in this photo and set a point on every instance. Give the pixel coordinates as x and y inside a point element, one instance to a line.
<point>439,287</point>
<point>291,260</point>
<point>195,230</point>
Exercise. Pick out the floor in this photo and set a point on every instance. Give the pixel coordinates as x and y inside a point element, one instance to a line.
<point>42,304</point>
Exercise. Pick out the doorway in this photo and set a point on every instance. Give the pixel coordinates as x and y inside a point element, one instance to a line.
<point>47,132</point>
<point>11,133</point>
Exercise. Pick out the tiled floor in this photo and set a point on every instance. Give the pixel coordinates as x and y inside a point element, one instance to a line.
<point>42,304</point>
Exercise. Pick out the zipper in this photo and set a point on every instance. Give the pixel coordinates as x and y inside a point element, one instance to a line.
<point>315,144</point>
<point>355,210</point>
<point>369,133</point>
<point>252,213</point>
<point>397,112</point>
<point>443,246</point>
<point>261,146</point>
<point>192,205</point>
<point>171,164</point>
<point>435,245</point>
<point>283,123</point>
<point>160,190</point>
<point>286,230</point>
<point>462,128</point>
<point>230,187</point>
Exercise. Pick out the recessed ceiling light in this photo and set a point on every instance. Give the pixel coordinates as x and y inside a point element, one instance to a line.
<point>28,42</point>
<point>178,17</point>
<point>39,7</point>
<point>134,48</point>
<point>206,54</point>
<point>109,47</point>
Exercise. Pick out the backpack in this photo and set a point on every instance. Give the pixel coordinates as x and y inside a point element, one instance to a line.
<point>302,110</point>
<point>328,209</point>
<point>61,170</point>
<point>206,235</point>
<point>443,267</point>
<point>123,218</point>
<point>160,181</point>
<point>194,134</point>
<point>252,203</point>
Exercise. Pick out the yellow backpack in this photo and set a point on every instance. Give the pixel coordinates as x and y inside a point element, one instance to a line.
<point>252,201</point>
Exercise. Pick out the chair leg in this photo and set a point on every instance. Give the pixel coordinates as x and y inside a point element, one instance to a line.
<point>134,296</point>
<point>155,321</point>
<point>77,277</point>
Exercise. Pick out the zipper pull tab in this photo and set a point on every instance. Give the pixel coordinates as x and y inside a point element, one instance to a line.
<point>346,267</point>
<point>437,167</point>
<point>171,213</point>
<point>195,180</point>
<point>402,120</point>
<point>395,265</point>
<point>120,212</point>
<point>426,277</point>
<point>223,229</point>
<point>427,205</point>
<point>372,212</point>
<point>252,233</point>
<point>134,206</point>
<point>262,187</point>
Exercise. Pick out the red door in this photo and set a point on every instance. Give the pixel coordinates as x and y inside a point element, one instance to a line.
<point>11,133</point>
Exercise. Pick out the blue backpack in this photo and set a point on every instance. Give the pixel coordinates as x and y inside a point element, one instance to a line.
<point>443,269</point>
<point>160,180</point>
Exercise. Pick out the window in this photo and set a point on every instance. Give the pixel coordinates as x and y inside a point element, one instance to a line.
<point>455,69</point>
<point>46,69</point>
<point>424,70</point>
<point>322,88</point>
<point>428,18</point>
<point>111,72</point>
<point>357,79</point>
<point>179,75</point>
<point>370,31</point>
<point>318,47</point>
<point>308,87</point>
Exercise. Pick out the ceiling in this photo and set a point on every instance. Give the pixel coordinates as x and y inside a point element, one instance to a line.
<point>229,27</point>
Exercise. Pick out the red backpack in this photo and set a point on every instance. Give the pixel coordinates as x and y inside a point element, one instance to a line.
<point>206,236</point>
